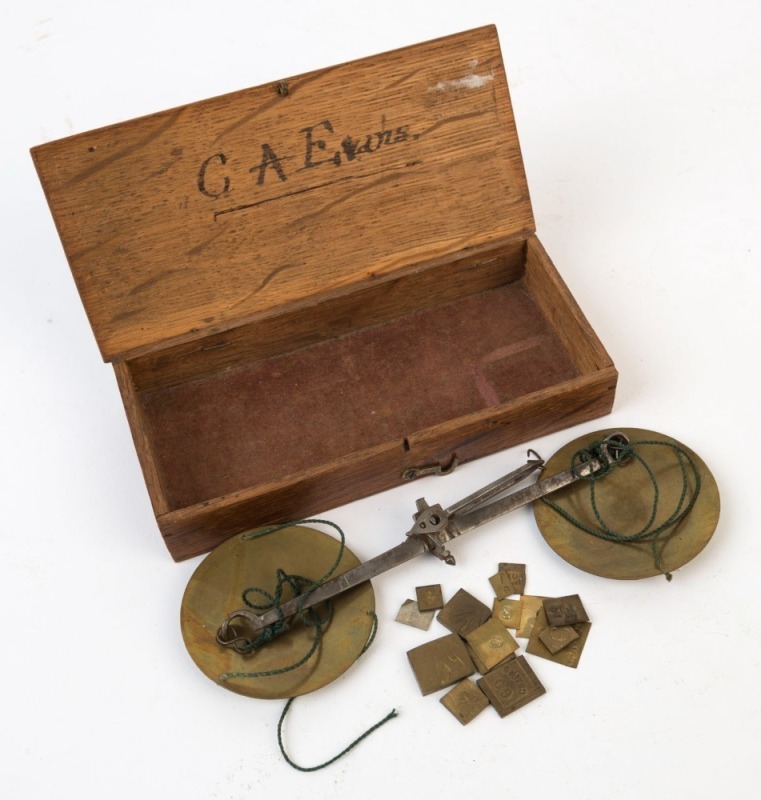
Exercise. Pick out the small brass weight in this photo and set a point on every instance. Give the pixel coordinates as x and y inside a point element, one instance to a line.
<point>624,504</point>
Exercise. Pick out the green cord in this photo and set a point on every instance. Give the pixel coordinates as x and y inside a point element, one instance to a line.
<point>343,752</point>
<point>299,586</point>
<point>310,618</point>
<point>293,764</point>
<point>684,505</point>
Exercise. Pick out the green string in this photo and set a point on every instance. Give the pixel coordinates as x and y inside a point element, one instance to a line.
<point>300,586</point>
<point>310,618</point>
<point>362,736</point>
<point>293,764</point>
<point>685,503</point>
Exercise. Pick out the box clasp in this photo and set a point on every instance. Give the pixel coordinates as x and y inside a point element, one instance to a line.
<point>412,473</point>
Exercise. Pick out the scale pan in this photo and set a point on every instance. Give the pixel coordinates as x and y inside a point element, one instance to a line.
<point>215,590</point>
<point>625,501</point>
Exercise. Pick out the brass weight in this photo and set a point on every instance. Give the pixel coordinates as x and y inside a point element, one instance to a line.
<point>215,590</point>
<point>625,500</point>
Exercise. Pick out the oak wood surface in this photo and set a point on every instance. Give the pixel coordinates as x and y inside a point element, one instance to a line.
<point>204,217</point>
<point>196,529</point>
<point>267,418</point>
<point>199,512</point>
<point>562,311</point>
<point>587,395</point>
<point>310,286</point>
<point>292,330</point>
<point>144,447</point>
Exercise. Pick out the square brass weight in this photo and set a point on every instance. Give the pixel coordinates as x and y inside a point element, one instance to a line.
<point>530,608</point>
<point>465,701</point>
<point>410,614</point>
<point>565,610</point>
<point>511,686</point>
<point>500,586</point>
<point>463,613</point>
<point>510,579</point>
<point>508,612</point>
<point>491,644</point>
<point>429,598</point>
<point>477,663</point>
<point>440,663</point>
<point>558,637</point>
<point>570,655</point>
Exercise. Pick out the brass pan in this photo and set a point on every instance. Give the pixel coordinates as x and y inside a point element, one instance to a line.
<point>625,501</point>
<point>215,590</point>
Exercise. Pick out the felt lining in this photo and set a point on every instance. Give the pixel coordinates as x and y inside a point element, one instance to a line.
<point>266,419</point>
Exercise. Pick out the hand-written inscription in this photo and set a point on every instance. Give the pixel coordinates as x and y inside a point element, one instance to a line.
<point>220,185</point>
<point>319,147</point>
<point>445,668</point>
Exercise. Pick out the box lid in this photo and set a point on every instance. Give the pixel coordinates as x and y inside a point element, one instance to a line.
<point>208,216</point>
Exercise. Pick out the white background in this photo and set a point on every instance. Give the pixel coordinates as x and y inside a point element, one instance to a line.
<point>640,125</point>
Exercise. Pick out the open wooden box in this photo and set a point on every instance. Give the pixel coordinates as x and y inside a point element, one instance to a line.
<point>308,287</point>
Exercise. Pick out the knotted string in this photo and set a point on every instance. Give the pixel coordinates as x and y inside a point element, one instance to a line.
<point>362,736</point>
<point>300,586</point>
<point>309,617</point>
<point>343,752</point>
<point>609,458</point>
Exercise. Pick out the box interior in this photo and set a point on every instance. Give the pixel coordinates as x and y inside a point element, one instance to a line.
<point>307,387</point>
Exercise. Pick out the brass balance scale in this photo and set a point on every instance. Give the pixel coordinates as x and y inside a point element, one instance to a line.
<point>630,476</point>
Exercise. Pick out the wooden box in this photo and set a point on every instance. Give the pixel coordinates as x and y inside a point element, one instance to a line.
<point>308,287</point>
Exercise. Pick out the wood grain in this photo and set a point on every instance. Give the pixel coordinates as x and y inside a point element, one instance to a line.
<point>587,395</point>
<point>203,218</point>
<point>563,312</point>
<point>142,439</point>
<point>307,293</point>
<point>265,419</point>
<point>385,299</point>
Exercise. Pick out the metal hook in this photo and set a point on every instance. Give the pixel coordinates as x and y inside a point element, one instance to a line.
<point>432,469</point>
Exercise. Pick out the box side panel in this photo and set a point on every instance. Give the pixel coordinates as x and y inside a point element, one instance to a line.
<point>142,439</point>
<point>562,406</point>
<point>378,303</point>
<point>197,529</point>
<point>478,354</point>
<point>561,310</point>
<point>262,420</point>
<point>192,531</point>
<point>199,219</point>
